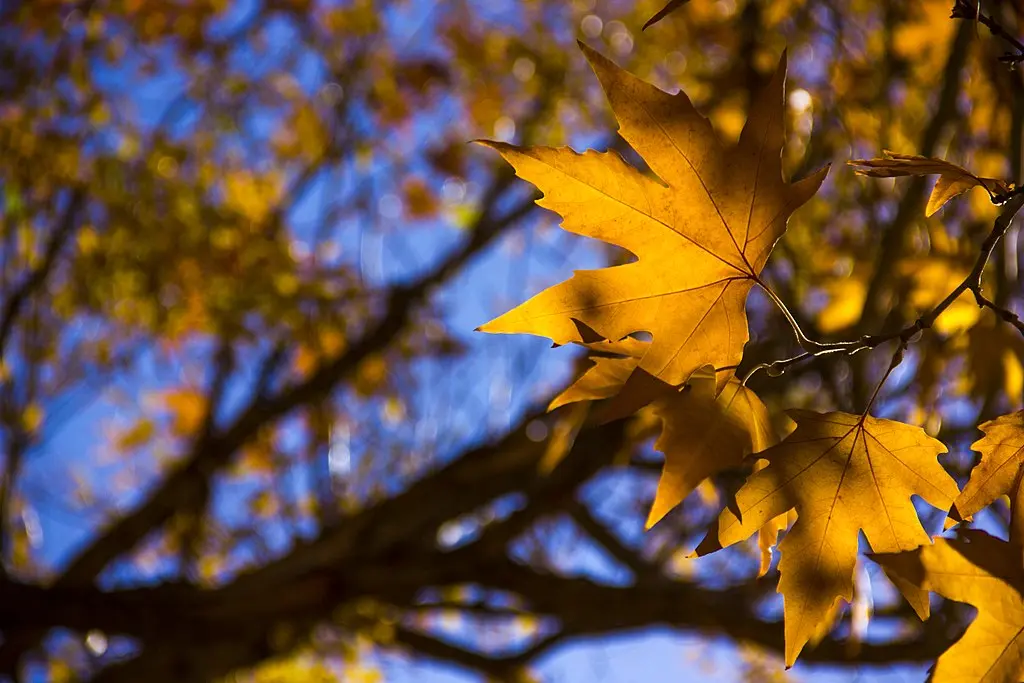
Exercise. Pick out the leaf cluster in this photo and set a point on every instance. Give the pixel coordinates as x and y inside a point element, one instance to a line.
<point>701,219</point>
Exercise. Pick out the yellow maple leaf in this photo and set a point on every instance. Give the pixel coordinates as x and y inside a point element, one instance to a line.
<point>701,233</point>
<point>701,434</point>
<point>953,180</point>
<point>1002,453</point>
<point>768,535</point>
<point>842,473</point>
<point>982,571</point>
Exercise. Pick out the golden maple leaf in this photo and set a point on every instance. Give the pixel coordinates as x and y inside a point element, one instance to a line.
<point>982,571</point>
<point>1002,454</point>
<point>842,473</point>
<point>701,234</point>
<point>953,180</point>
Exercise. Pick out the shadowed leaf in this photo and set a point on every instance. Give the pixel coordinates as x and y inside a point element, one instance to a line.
<point>843,474</point>
<point>979,570</point>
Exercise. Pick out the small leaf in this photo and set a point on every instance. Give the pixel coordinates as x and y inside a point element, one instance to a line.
<point>953,180</point>
<point>607,373</point>
<point>32,417</point>
<point>702,435</point>
<point>1002,454</point>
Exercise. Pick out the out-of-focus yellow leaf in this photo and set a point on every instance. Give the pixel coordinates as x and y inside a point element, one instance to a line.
<point>995,353</point>
<point>312,136</point>
<point>563,436</point>
<point>187,408</point>
<point>933,279</point>
<point>138,435</point>
<point>845,303</point>
<point>371,375</point>
<point>32,417</point>
<point>419,202</point>
<point>251,195</point>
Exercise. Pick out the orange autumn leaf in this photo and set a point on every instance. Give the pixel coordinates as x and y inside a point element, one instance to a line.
<point>702,230</point>
<point>701,434</point>
<point>187,408</point>
<point>611,365</point>
<point>842,474</point>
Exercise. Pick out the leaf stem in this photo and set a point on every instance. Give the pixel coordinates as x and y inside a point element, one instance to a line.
<point>897,358</point>
<point>962,9</point>
<point>806,343</point>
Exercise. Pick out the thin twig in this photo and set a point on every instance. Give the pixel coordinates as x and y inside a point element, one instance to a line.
<point>962,9</point>
<point>908,334</point>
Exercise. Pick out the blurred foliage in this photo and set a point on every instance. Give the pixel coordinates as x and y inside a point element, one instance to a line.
<point>242,247</point>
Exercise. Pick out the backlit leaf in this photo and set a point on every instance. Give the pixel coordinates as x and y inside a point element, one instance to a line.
<point>842,474</point>
<point>1002,454</point>
<point>702,435</point>
<point>702,234</point>
<point>672,6</point>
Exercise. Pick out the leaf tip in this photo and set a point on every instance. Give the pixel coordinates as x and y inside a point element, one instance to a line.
<point>598,62</point>
<point>652,520</point>
<point>586,49</point>
<point>491,144</point>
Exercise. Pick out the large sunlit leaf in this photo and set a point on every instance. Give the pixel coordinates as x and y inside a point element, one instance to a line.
<point>702,230</point>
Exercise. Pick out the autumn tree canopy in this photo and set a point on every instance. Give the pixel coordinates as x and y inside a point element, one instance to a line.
<point>251,425</point>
